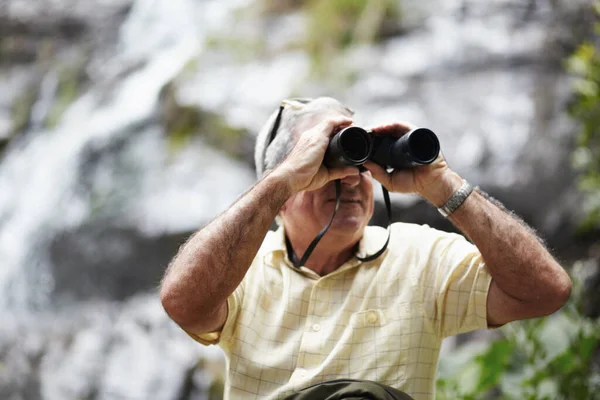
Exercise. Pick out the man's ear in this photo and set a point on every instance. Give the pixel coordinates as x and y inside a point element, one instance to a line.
<point>282,210</point>
<point>279,216</point>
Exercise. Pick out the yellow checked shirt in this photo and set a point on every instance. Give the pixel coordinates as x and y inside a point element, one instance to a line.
<point>383,320</point>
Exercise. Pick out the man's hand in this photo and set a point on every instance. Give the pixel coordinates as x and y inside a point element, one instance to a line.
<point>526,280</point>
<point>435,182</point>
<point>304,167</point>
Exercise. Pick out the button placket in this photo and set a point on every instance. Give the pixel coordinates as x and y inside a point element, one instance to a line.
<point>312,324</point>
<point>307,342</point>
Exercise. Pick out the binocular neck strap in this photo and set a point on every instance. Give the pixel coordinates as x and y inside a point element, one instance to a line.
<point>338,196</point>
<point>388,209</point>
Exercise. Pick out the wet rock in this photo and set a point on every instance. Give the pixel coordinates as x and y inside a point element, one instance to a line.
<point>108,262</point>
<point>103,351</point>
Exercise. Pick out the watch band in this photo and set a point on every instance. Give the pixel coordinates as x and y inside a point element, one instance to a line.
<point>456,200</point>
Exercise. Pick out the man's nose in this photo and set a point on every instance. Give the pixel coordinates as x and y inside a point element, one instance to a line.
<point>351,180</point>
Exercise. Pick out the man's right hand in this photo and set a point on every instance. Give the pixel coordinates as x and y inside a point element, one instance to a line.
<point>211,265</point>
<point>303,168</point>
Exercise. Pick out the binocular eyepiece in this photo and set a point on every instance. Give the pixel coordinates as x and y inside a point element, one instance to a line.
<point>354,145</point>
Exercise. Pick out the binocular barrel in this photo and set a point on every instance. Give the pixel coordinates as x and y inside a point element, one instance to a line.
<point>354,145</point>
<point>350,146</point>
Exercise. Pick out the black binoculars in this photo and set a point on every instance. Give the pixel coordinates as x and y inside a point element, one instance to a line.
<point>354,145</point>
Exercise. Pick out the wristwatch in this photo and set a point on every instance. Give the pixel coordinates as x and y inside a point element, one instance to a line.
<point>457,199</point>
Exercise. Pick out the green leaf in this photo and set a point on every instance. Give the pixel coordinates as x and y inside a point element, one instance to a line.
<point>493,363</point>
<point>587,346</point>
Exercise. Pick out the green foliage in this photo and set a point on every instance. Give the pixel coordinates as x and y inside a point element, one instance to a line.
<point>183,122</point>
<point>584,64</point>
<point>245,48</point>
<point>555,357</point>
<point>546,358</point>
<point>334,25</point>
<point>69,81</point>
<point>21,109</point>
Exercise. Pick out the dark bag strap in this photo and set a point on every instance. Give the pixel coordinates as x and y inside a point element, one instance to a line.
<point>349,389</point>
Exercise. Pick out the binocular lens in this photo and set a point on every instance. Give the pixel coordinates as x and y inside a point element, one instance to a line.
<point>355,144</point>
<point>423,145</point>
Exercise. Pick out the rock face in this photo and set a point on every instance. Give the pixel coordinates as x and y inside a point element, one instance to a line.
<point>98,350</point>
<point>124,130</point>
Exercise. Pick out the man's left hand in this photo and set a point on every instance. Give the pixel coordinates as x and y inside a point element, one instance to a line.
<point>435,182</point>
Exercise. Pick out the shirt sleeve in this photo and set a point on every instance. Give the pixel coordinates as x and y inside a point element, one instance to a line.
<point>461,287</point>
<point>222,337</point>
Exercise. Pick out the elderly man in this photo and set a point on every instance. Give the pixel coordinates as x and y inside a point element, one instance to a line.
<point>285,326</point>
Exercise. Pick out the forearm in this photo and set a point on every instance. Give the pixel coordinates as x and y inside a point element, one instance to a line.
<point>515,257</point>
<point>213,262</point>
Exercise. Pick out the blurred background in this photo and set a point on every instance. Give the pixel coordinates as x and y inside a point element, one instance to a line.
<point>126,125</point>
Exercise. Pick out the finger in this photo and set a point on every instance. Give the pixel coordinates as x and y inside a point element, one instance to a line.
<point>380,174</point>
<point>341,173</point>
<point>336,122</point>
<point>393,129</point>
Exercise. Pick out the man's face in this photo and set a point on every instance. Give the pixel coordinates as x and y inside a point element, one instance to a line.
<point>310,211</point>
<point>307,212</point>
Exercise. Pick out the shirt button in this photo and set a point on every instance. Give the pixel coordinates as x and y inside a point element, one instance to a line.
<point>301,372</point>
<point>372,317</point>
<point>316,327</point>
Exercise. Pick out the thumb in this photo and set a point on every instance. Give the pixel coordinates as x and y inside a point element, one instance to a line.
<point>380,174</point>
<point>341,173</point>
